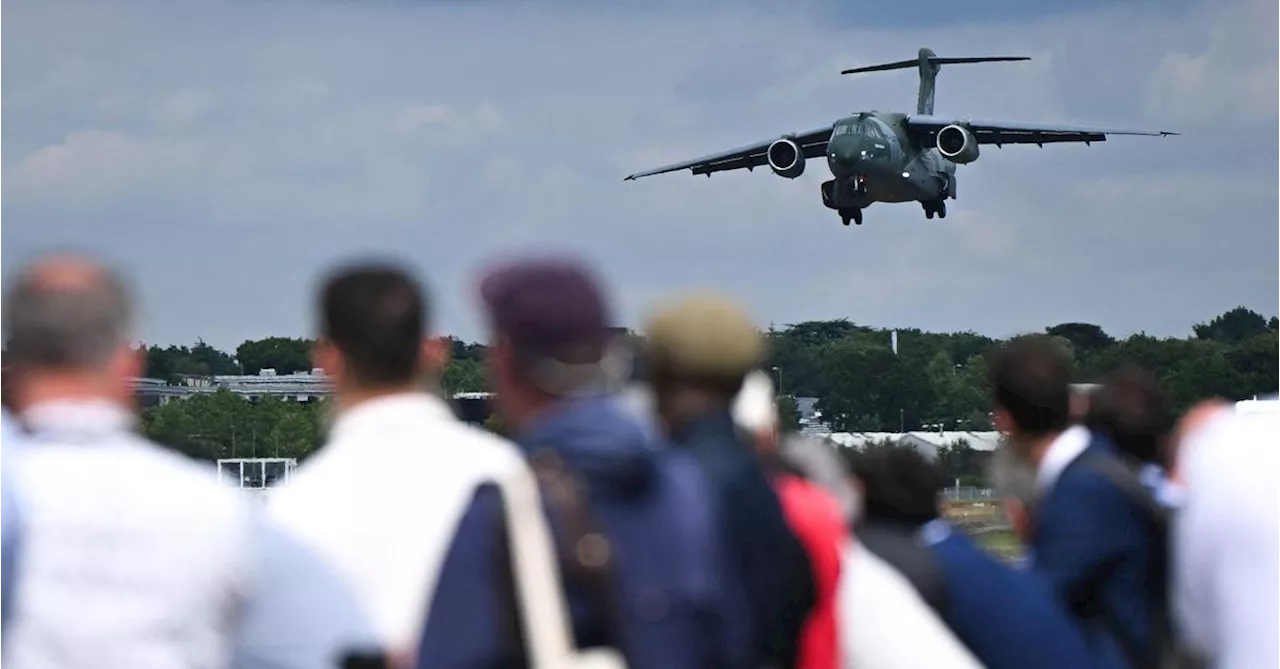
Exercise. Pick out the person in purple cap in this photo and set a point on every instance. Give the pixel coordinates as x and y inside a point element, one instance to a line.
<point>655,592</point>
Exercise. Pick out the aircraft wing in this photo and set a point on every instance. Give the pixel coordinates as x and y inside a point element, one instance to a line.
<point>813,143</point>
<point>1006,132</point>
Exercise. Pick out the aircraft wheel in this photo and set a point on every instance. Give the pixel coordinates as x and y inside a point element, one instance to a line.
<point>851,214</point>
<point>942,208</point>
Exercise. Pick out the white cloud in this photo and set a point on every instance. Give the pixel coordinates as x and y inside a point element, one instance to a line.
<point>1231,76</point>
<point>249,144</point>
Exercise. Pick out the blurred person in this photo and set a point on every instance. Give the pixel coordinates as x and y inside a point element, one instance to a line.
<point>1130,410</point>
<point>8,429</point>
<point>134,557</point>
<point>1007,618</point>
<point>380,499</point>
<point>883,621</point>
<point>1081,399</point>
<point>1226,537</point>
<point>698,351</point>
<point>885,624</point>
<point>813,513</point>
<point>1099,550</point>
<point>1014,483</point>
<point>9,517</point>
<point>651,589</point>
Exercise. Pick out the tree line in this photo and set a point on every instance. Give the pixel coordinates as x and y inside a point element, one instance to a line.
<point>933,381</point>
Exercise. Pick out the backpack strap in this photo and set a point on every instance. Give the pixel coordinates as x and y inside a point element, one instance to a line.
<point>586,553</point>
<point>1171,654</point>
<point>908,552</point>
<point>1123,476</point>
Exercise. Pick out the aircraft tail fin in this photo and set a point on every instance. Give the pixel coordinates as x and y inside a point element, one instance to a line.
<point>928,63</point>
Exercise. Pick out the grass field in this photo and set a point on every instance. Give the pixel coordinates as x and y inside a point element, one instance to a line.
<point>988,525</point>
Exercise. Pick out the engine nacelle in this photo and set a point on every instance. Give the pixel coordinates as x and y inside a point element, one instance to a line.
<point>785,158</point>
<point>957,144</point>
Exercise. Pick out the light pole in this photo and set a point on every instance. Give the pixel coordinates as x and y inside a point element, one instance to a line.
<point>778,371</point>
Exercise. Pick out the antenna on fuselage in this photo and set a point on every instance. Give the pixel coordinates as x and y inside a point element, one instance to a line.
<point>929,64</point>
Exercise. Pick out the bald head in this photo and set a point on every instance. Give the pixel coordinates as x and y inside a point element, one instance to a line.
<point>66,312</point>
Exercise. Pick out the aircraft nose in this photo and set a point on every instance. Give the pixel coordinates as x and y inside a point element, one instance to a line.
<point>843,151</point>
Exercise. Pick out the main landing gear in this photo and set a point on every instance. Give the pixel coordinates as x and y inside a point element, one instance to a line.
<point>851,214</point>
<point>938,206</point>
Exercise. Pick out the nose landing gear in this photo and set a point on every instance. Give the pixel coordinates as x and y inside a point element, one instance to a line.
<point>843,202</point>
<point>932,207</point>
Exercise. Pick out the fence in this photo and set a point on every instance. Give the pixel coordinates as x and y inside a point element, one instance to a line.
<point>967,494</point>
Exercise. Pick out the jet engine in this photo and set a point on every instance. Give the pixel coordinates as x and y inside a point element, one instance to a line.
<point>957,144</point>
<point>785,158</point>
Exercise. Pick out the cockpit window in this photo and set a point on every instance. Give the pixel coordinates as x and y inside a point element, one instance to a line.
<point>844,129</point>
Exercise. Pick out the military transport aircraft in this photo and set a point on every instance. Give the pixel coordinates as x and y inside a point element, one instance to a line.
<point>892,157</point>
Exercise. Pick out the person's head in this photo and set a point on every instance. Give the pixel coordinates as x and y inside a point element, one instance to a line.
<point>550,336</point>
<point>698,351</point>
<point>1014,481</point>
<point>373,332</point>
<point>69,321</point>
<point>1080,394</point>
<point>1031,383</point>
<point>1130,409</point>
<point>898,484</point>
<point>755,411</point>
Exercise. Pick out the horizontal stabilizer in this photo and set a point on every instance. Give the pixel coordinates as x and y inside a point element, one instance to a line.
<point>915,62</point>
<point>928,64</point>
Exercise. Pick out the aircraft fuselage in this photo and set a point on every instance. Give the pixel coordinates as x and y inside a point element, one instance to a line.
<point>873,159</point>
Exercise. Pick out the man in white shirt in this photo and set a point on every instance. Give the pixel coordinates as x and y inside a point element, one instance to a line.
<point>1226,538</point>
<point>133,557</point>
<point>383,496</point>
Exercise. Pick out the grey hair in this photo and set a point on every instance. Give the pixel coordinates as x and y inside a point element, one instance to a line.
<point>67,325</point>
<point>818,461</point>
<point>1012,478</point>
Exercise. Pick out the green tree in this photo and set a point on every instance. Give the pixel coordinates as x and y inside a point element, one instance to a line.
<point>1086,339</point>
<point>1236,325</point>
<point>788,414</point>
<point>286,355</point>
<point>868,388</point>
<point>464,376</point>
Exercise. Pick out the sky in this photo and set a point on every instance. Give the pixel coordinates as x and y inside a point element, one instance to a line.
<point>227,154</point>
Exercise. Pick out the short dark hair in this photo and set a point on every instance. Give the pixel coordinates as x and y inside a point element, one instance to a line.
<point>1130,409</point>
<point>1031,379</point>
<point>375,313</point>
<point>898,484</point>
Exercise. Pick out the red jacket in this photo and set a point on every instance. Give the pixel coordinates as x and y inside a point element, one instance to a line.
<point>815,517</point>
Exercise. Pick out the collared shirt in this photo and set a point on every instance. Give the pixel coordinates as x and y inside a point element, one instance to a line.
<point>382,498</point>
<point>1062,452</point>
<point>1226,541</point>
<point>135,557</point>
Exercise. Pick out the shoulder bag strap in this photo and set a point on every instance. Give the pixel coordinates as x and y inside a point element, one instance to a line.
<point>539,595</point>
